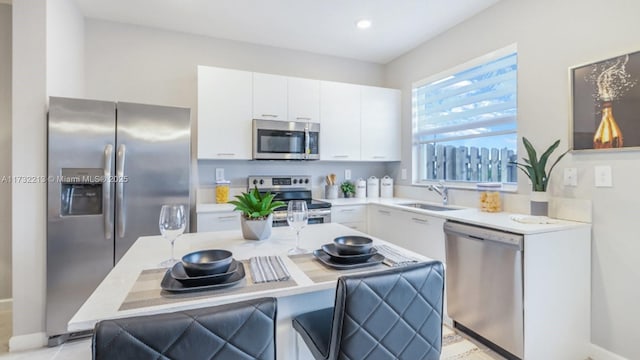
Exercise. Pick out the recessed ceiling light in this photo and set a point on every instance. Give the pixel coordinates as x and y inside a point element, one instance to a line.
<point>363,24</point>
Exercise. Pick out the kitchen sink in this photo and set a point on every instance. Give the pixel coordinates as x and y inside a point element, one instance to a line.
<point>427,206</point>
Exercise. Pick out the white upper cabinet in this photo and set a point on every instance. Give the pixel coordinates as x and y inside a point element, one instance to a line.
<point>224,113</point>
<point>269,97</point>
<point>303,99</point>
<point>358,123</point>
<point>380,124</point>
<point>340,121</point>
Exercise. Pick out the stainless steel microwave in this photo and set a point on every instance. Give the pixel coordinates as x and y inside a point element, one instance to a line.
<point>285,140</point>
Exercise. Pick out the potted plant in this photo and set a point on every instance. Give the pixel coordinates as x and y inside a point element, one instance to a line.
<point>348,188</point>
<point>257,213</point>
<point>536,170</point>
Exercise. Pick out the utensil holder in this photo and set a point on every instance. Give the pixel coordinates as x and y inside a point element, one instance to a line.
<point>331,191</point>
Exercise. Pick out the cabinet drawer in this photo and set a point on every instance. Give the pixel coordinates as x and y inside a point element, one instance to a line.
<point>218,221</point>
<point>351,213</point>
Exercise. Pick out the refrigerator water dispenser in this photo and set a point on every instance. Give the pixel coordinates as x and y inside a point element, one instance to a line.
<point>81,192</point>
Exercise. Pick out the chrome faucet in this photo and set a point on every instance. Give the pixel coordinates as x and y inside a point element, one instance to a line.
<point>440,190</point>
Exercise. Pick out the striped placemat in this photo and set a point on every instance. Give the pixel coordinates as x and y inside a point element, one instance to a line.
<point>146,290</point>
<point>318,272</point>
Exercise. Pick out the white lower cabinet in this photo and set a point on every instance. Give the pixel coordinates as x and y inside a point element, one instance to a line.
<point>353,216</point>
<point>411,230</point>
<point>218,221</point>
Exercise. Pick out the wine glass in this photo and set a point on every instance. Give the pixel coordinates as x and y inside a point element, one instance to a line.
<point>297,216</point>
<point>172,223</point>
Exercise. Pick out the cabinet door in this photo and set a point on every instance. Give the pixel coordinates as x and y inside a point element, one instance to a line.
<point>269,97</point>
<point>353,216</point>
<point>380,124</point>
<point>303,100</point>
<point>423,234</point>
<point>384,223</point>
<point>224,113</point>
<point>340,121</point>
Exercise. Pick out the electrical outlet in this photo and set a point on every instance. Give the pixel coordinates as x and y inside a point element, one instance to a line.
<point>570,177</point>
<point>602,176</point>
<point>403,174</point>
<point>347,174</point>
<point>219,174</point>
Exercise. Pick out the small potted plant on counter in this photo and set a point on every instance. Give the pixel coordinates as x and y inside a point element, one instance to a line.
<point>257,213</point>
<point>536,170</point>
<point>348,189</point>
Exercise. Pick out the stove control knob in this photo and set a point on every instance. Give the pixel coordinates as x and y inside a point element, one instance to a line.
<point>261,182</point>
<point>300,181</point>
<point>295,181</point>
<point>255,181</point>
<point>306,181</point>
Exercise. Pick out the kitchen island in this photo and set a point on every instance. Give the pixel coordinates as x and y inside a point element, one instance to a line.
<point>123,292</point>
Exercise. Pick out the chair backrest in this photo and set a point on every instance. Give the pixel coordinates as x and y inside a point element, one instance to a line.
<point>242,330</point>
<point>393,314</point>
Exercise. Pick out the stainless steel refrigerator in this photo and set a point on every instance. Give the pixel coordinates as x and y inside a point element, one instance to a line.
<point>110,168</point>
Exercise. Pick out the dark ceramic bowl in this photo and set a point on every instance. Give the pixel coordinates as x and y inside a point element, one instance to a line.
<point>207,262</point>
<point>353,245</point>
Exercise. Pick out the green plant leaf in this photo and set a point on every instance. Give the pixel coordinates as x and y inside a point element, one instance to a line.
<point>535,168</point>
<point>255,205</point>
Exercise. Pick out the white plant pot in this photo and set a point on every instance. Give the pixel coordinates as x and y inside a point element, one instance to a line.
<point>539,203</point>
<point>256,229</point>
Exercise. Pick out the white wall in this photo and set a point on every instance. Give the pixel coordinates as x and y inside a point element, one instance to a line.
<point>28,149</point>
<point>5,151</point>
<point>65,49</point>
<point>45,57</point>
<point>141,64</point>
<point>551,37</point>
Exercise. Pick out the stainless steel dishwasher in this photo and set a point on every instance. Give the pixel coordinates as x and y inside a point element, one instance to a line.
<point>484,280</point>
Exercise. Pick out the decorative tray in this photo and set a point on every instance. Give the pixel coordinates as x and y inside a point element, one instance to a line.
<point>178,273</point>
<point>324,258</point>
<point>332,251</point>
<point>170,284</point>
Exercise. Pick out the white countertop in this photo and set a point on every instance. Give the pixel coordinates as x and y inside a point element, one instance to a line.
<point>147,252</point>
<point>499,220</point>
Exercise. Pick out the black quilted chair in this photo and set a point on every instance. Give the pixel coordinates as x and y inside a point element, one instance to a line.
<point>392,314</point>
<point>242,330</point>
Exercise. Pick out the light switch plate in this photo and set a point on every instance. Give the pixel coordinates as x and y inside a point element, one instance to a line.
<point>403,174</point>
<point>347,174</point>
<point>570,177</point>
<point>602,176</point>
<point>219,174</point>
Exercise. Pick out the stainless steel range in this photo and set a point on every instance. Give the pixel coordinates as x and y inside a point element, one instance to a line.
<point>288,188</point>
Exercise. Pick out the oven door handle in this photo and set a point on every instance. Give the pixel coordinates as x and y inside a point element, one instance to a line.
<point>277,215</point>
<point>319,212</point>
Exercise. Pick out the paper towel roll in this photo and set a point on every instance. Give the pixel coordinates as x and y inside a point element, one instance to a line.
<point>386,187</point>
<point>373,186</point>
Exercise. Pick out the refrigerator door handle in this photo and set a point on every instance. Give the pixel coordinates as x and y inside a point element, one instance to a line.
<point>122,150</point>
<point>106,193</point>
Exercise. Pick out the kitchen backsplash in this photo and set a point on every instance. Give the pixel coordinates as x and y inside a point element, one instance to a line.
<point>238,171</point>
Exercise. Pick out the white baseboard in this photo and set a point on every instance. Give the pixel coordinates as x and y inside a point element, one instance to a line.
<point>27,341</point>
<point>598,353</point>
<point>6,304</point>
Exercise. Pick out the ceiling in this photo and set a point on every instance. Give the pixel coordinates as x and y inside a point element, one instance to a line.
<point>318,26</point>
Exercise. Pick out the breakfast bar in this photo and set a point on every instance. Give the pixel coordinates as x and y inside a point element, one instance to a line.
<point>133,287</point>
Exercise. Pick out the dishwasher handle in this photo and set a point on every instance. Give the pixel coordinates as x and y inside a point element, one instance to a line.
<point>484,234</point>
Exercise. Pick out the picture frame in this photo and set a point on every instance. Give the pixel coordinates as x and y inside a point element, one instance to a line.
<point>605,104</point>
